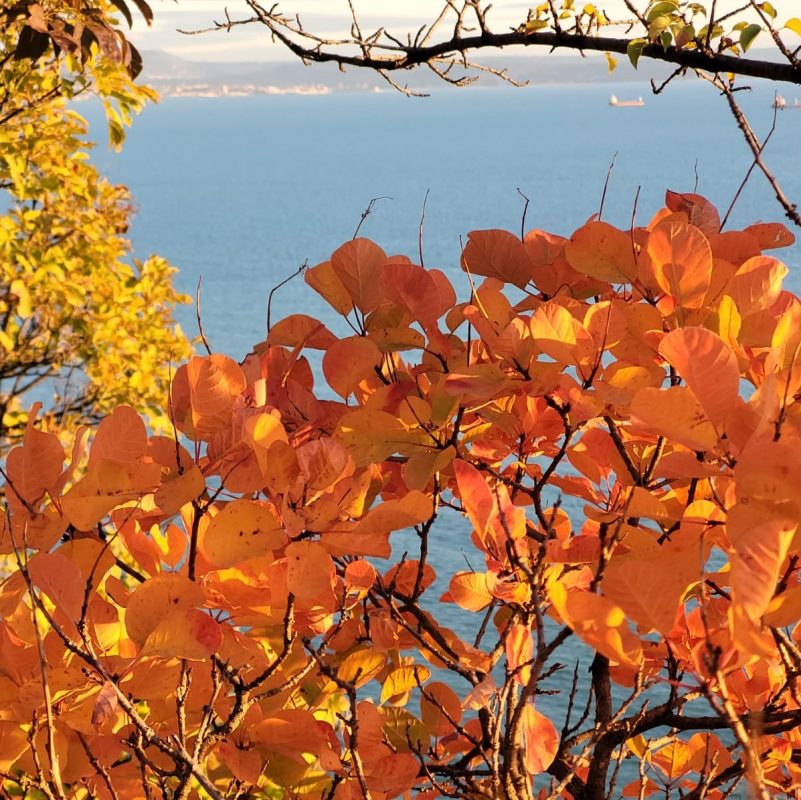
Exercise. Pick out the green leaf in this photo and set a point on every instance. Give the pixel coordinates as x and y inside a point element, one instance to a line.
<point>748,35</point>
<point>611,62</point>
<point>634,51</point>
<point>662,8</point>
<point>794,25</point>
<point>657,25</point>
<point>666,38</point>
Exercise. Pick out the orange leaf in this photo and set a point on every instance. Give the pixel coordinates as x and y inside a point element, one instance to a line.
<point>349,361</point>
<point>358,265</point>
<point>203,392</point>
<point>36,464</point>
<point>121,437</point>
<point>325,282</point>
<point>414,288</point>
<point>700,212</point>
<point>244,764</point>
<point>106,485</point>
<point>477,500</point>
<point>179,490</point>
<point>768,470</point>
<point>519,652</point>
<point>682,262</point>
<point>561,336</point>
<point>60,580</point>
<point>105,706</point>
<point>360,576</point>
<point>649,589</point>
<point>760,546</point>
<point>541,739</point>
<point>756,284</point>
<point>393,515</point>
<point>290,732</point>
<point>601,251</point>
<point>497,254</point>
<point>470,591</point>
<point>310,571</point>
<point>440,708</point>
<point>599,622</point>
<point>709,367</point>
<point>301,330</point>
<point>771,235</point>
<point>675,414</point>
<point>184,633</point>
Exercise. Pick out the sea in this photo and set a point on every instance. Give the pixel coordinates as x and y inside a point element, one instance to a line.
<point>241,191</point>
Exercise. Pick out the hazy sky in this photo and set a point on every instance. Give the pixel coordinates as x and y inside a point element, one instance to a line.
<point>326,16</point>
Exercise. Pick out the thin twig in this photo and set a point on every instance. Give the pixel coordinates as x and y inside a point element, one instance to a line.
<point>420,229</point>
<point>606,185</point>
<point>366,213</point>
<point>198,314</point>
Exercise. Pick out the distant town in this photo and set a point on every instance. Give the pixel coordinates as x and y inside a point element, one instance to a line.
<point>173,76</point>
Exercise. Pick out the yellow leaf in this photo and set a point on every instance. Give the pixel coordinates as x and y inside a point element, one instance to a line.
<point>156,598</point>
<point>243,529</point>
<point>403,680</point>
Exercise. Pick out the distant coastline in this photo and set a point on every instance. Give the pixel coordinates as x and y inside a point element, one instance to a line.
<point>244,90</point>
<point>173,76</point>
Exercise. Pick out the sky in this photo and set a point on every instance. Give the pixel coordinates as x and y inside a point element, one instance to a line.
<point>250,43</point>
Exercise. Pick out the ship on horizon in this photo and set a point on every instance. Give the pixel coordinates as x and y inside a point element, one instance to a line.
<point>617,103</point>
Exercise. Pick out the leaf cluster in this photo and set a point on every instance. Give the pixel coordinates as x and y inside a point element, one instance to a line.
<point>80,320</point>
<point>614,416</point>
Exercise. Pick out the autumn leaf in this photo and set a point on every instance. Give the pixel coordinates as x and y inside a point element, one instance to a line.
<point>358,265</point>
<point>497,254</point>
<point>156,599</point>
<point>709,367</point>
<point>121,437</point>
<point>310,571</point>
<point>470,590</point>
<point>541,741</point>
<point>242,529</point>
<point>186,633</point>
<point>349,361</point>
<point>601,251</point>
<point>105,706</point>
<point>682,262</point>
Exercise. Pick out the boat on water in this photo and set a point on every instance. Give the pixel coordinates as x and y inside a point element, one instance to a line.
<point>616,103</point>
<point>779,102</point>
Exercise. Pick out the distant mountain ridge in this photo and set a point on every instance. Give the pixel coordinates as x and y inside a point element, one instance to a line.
<point>173,75</point>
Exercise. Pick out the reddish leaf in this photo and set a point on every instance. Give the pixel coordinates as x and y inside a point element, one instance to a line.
<point>358,265</point>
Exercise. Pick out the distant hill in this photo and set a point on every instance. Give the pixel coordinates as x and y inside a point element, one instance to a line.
<point>172,75</point>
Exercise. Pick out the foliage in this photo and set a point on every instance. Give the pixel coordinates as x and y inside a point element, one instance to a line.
<point>614,416</point>
<point>75,316</point>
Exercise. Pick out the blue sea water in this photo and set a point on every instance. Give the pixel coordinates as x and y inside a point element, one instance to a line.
<point>241,191</point>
